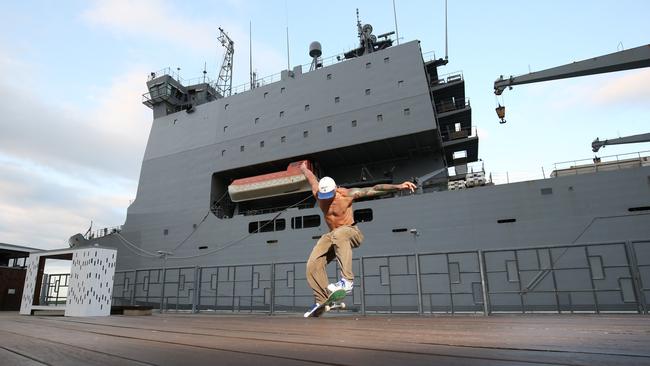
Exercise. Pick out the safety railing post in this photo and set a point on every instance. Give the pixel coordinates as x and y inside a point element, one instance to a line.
<point>363,288</point>
<point>419,283</point>
<point>484,283</point>
<point>272,295</point>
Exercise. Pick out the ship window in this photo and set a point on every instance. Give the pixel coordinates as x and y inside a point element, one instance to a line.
<point>306,107</point>
<point>363,215</point>
<point>280,224</point>
<point>241,148</point>
<point>223,152</point>
<point>460,154</point>
<point>261,143</point>
<point>354,123</point>
<point>400,83</point>
<point>203,247</point>
<point>166,231</point>
<point>282,89</point>
<point>380,117</point>
<point>305,133</point>
<point>368,64</point>
<point>252,227</point>
<point>283,139</point>
<point>329,129</point>
<point>266,226</point>
<point>225,107</point>
<point>337,99</point>
<point>457,127</point>
<point>281,114</point>
<point>310,221</point>
<point>407,111</point>
<point>367,91</point>
<point>296,222</point>
<point>266,94</point>
<point>329,76</point>
<point>257,119</point>
<point>386,60</point>
<point>225,128</point>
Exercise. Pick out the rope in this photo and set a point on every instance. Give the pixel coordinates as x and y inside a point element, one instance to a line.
<point>149,254</point>
<point>228,245</point>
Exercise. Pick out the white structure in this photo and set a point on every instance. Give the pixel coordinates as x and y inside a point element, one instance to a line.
<point>90,286</point>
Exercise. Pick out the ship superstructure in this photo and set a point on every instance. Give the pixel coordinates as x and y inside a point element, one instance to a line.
<point>219,218</point>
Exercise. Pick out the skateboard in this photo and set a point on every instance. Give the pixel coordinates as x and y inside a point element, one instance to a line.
<point>332,302</point>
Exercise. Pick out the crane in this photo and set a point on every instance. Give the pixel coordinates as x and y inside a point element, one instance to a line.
<point>633,58</point>
<point>224,83</point>
<point>597,144</point>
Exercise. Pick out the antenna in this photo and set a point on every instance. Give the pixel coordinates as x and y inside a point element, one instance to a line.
<point>286,9</point>
<point>395,15</point>
<point>446,45</point>
<point>224,83</point>
<point>250,51</point>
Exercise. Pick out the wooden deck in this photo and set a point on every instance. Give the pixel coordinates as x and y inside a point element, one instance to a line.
<point>209,339</point>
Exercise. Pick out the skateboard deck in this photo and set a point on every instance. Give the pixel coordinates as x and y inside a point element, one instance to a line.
<point>332,302</point>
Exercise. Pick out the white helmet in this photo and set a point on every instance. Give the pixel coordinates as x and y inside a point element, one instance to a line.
<point>326,188</point>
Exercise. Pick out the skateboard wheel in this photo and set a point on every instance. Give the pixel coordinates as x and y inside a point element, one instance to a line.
<point>342,305</point>
<point>327,308</point>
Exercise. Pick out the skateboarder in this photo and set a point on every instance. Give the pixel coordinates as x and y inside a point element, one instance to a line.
<point>336,204</point>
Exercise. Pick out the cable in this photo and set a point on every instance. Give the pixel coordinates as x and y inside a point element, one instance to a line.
<point>130,245</point>
<point>244,237</point>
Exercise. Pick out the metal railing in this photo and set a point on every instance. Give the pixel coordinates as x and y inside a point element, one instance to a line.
<point>175,73</point>
<point>594,278</point>
<point>98,233</point>
<point>450,105</point>
<point>55,289</point>
<point>448,78</point>
<point>608,162</point>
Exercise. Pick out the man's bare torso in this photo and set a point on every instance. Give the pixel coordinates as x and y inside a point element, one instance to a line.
<point>338,211</point>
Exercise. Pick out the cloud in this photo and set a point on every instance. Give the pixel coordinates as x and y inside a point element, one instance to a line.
<point>630,88</point>
<point>109,138</point>
<point>150,18</point>
<point>158,20</point>
<point>62,166</point>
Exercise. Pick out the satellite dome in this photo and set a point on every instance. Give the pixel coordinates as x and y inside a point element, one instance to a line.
<point>315,49</point>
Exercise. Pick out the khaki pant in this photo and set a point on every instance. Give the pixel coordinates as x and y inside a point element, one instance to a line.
<point>338,244</point>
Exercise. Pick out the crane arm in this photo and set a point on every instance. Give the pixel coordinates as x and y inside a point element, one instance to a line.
<point>633,58</point>
<point>597,144</point>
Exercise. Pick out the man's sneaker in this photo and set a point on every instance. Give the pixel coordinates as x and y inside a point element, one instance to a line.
<point>343,284</point>
<point>315,310</point>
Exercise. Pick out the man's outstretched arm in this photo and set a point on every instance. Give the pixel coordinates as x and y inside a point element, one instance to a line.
<point>311,178</point>
<point>379,189</point>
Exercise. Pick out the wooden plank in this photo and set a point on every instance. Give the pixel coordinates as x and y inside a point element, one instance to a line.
<point>9,357</point>
<point>379,340</point>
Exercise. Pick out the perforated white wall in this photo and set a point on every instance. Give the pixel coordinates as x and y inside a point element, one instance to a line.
<point>91,281</point>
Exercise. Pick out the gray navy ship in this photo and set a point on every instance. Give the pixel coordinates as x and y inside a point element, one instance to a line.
<point>222,221</point>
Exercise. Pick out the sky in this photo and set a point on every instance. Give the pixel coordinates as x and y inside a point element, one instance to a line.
<point>73,129</point>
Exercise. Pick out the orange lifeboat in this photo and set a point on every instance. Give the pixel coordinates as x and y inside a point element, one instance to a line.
<point>288,181</point>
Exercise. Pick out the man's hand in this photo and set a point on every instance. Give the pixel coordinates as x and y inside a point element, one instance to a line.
<point>407,185</point>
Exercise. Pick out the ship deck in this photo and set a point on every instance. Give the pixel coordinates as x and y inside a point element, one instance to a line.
<point>335,339</point>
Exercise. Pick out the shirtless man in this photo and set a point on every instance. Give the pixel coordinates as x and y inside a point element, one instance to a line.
<point>336,204</point>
